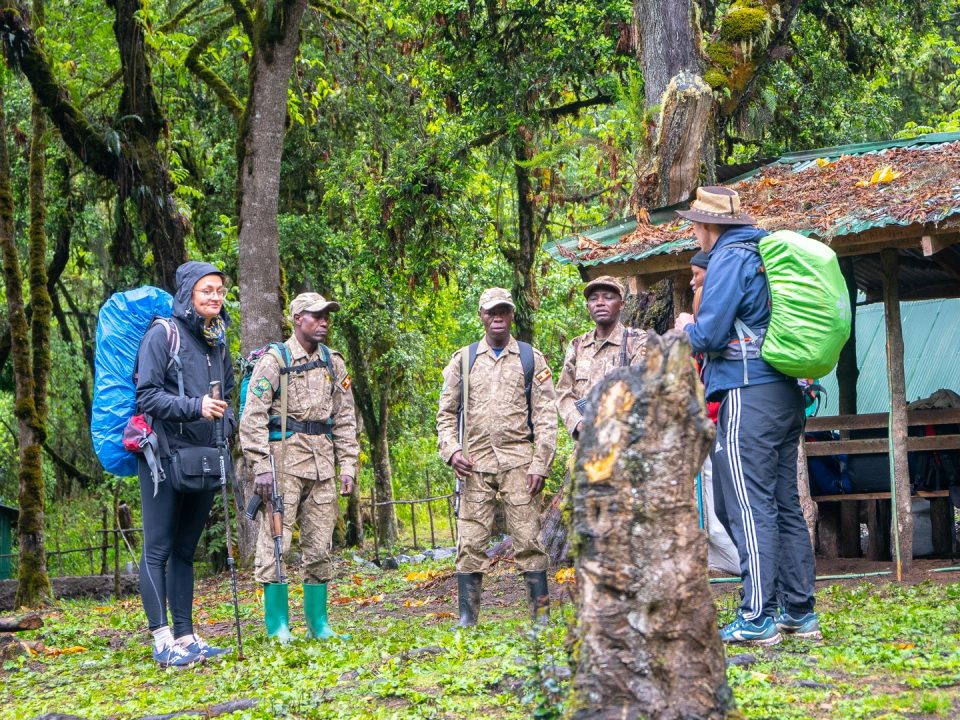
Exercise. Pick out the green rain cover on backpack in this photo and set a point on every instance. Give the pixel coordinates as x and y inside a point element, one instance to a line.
<point>810,306</point>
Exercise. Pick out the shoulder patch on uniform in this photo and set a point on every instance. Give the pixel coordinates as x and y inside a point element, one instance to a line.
<point>346,383</point>
<point>260,387</point>
<point>544,375</point>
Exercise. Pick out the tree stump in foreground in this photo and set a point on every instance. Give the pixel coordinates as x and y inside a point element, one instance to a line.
<point>647,638</point>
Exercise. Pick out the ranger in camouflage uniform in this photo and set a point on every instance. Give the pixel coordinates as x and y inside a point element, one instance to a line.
<point>595,353</point>
<point>322,433</point>
<point>499,454</point>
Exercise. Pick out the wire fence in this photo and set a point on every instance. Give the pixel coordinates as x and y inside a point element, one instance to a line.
<point>115,549</point>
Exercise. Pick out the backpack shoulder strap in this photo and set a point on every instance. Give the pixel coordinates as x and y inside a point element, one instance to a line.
<point>173,347</point>
<point>526,362</point>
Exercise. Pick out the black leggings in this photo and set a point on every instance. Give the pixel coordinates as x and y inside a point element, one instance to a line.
<point>172,524</point>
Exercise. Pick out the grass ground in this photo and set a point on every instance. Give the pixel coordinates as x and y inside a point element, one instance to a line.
<point>891,651</point>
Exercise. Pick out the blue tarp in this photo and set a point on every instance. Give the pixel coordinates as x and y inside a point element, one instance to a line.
<point>122,323</point>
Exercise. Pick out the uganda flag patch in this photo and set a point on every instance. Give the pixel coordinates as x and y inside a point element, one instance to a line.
<point>544,375</point>
<point>346,383</point>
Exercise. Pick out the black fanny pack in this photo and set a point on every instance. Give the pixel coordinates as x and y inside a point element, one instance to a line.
<point>195,469</point>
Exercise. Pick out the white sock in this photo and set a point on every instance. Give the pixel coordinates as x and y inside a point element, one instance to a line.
<point>162,637</point>
<point>185,640</point>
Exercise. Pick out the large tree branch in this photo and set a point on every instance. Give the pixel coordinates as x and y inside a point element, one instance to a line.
<point>223,92</point>
<point>549,114</point>
<point>171,24</point>
<point>23,52</point>
<point>244,17</point>
<point>778,39</point>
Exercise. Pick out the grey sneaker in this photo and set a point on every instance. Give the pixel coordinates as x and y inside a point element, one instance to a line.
<point>806,626</point>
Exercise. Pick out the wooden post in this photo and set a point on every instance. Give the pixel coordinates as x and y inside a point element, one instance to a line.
<point>433,539</point>
<point>413,522</point>
<point>902,517</point>
<point>647,635</point>
<point>450,519</point>
<point>103,535</point>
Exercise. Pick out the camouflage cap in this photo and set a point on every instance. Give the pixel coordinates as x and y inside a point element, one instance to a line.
<point>311,302</point>
<point>494,296</point>
<point>604,281</point>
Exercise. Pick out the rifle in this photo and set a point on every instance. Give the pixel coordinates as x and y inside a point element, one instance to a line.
<point>221,443</point>
<point>275,519</point>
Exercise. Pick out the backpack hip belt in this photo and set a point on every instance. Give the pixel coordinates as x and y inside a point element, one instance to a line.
<point>306,427</point>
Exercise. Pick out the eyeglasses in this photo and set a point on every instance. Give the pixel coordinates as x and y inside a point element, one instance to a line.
<point>208,292</point>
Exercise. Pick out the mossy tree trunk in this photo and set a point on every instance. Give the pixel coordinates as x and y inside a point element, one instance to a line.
<point>372,395</point>
<point>523,255</point>
<point>34,584</point>
<point>274,30</point>
<point>647,636</point>
<point>128,154</point>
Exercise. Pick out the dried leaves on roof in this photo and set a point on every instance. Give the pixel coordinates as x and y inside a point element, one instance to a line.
<point>829,198</point>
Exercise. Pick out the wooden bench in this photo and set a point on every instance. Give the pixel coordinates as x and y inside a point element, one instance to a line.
<point>839,515</point>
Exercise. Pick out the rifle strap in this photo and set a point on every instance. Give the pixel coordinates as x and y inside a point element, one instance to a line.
<point>466,364</point>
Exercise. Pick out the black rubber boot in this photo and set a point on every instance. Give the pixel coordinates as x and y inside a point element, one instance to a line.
<point>539,596</point>
<point>468,590</point>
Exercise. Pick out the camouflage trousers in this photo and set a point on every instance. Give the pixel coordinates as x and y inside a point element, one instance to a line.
<point>478,494</point>
<point>312,504</point>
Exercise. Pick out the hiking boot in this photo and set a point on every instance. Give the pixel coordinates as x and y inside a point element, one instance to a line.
<point>174,655</point>
<point>275,611</point>
<point>199,646</point>
<point>539,595</point>
<point>745,632</point>
<point>468,593</point>
<point>806,626</point>
<point>315,612</point>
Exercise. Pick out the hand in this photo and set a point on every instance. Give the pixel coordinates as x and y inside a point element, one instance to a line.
<point>346,484</point>
<point>683,319</point>
<point>535,484</point>
<point>460,464</point>
<point>212,409</point>
<point>263,486</point>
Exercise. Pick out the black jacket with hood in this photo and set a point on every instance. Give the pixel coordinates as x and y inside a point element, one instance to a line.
<point>176,419</point>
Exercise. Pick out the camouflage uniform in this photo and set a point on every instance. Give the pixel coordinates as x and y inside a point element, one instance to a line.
<point>306,478</point>
<point>588,360</point>
<point>498,443</point>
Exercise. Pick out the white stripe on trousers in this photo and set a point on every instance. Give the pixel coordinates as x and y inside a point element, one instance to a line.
<point>746,512</point>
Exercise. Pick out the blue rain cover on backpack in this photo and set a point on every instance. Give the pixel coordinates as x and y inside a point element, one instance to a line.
<point>123,321</point>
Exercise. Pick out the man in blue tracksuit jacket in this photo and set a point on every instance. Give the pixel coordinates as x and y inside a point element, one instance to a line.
<point>758,432</point>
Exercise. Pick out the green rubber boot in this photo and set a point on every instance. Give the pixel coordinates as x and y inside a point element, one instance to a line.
<point>275,611</point>
<point>315,612</point>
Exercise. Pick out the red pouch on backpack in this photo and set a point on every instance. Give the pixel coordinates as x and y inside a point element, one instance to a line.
<point>139,437</point>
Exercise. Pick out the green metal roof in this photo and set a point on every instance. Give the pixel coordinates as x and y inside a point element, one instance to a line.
<point>566,250</point>
<point>931,344</point>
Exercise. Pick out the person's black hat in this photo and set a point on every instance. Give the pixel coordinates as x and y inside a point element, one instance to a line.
<point>700,260</point>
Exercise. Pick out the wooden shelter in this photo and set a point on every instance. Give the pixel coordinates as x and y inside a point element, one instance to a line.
<point>891,211</point>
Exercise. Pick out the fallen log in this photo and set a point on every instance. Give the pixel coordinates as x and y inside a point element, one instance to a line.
<point>208,711</point>
<point>31,621</point>
<point>647,637</point>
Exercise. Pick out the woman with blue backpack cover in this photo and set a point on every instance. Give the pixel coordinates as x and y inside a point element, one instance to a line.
<point>178,359</point>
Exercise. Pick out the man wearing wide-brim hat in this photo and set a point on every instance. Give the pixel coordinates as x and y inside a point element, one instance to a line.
<point>758,430</point>
<point>595,353</point>
<point>304,418</point>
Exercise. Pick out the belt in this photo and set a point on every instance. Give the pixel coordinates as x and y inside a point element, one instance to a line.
<point>308,427</point>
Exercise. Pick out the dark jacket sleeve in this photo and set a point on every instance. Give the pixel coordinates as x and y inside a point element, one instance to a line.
<point>723,292</point>
<point>153,396</point>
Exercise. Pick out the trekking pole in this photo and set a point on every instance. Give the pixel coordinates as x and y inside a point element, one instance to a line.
<point>218,434</point>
